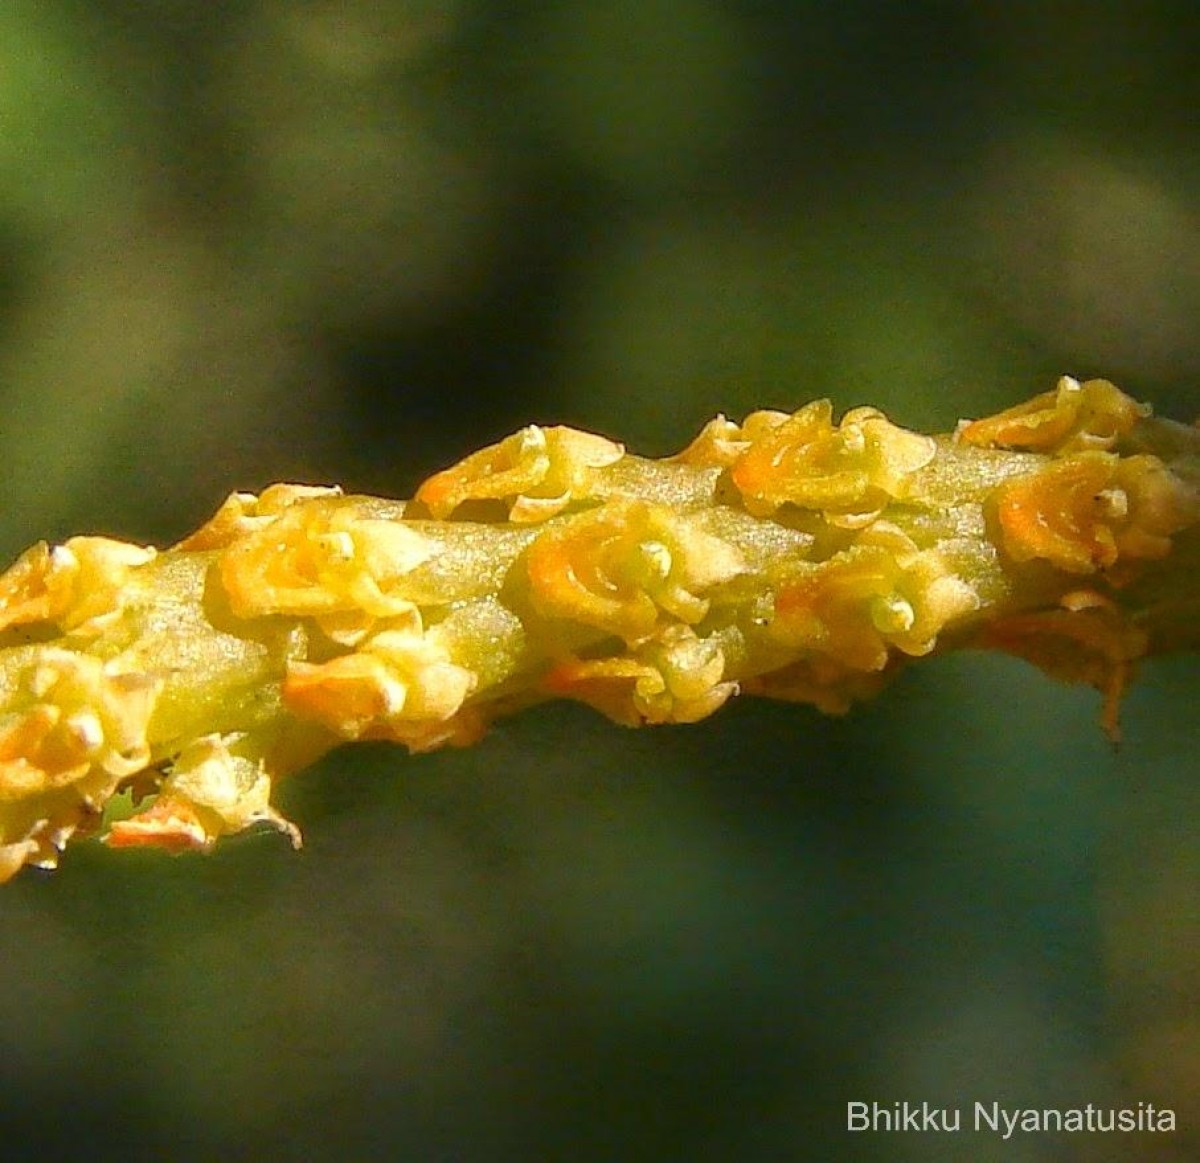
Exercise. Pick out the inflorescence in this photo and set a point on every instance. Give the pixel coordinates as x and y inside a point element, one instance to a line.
<point>790,556</point>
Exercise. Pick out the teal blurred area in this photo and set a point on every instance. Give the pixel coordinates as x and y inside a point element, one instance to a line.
<point>251,240</point>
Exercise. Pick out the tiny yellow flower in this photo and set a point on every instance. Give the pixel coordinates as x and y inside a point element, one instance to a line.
<point>1074,417</point>
<point>675,679</point>
<point>77,729</point>
<point>78,586</point>
<point>831,609</point>
<point>538,471</point>
<point>623,565</point>
<point>323,558</point>
<point>1087,510</point>
<point>880,593</point>
<point>721,442</point>
<point>242,513</point>
<point>849,471</point>
<point>399,685</point>
<point>211,792</point>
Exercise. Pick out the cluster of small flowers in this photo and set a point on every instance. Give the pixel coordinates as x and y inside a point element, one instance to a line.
<point>1089,513</point>
<point>789,556</point>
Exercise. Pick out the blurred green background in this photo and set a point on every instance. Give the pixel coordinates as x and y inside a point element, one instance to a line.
<point>250,240</point>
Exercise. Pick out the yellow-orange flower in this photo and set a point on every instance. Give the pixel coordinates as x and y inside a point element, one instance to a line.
<point>1088,510</point>
<point>212,791</point>
<point>881,592</point>
<point>77,585</point>
<point>401,684</point>
<point>538,471</point>
<point>323,558</point>
<point>1074,417</point>
<point>620,566</point>
<point>80,731</point>
<point>676,679</point>
<point>242,513</point>
<point>848,471</point>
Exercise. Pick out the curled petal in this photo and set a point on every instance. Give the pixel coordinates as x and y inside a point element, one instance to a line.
<point>1074,417</point>
<point>850,470</point>
<point>718,445</point>
<point>539,471</point>
<point>618,566</point>
<point>721,442</point>
<point>319,559</point>
<point>82,731</point>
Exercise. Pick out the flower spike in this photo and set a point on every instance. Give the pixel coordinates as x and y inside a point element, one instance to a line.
<point>792,556</point>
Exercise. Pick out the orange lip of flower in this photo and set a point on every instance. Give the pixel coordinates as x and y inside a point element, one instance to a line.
<point>170,824</point>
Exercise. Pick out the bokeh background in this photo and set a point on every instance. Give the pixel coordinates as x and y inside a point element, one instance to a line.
<point>250,240</point>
